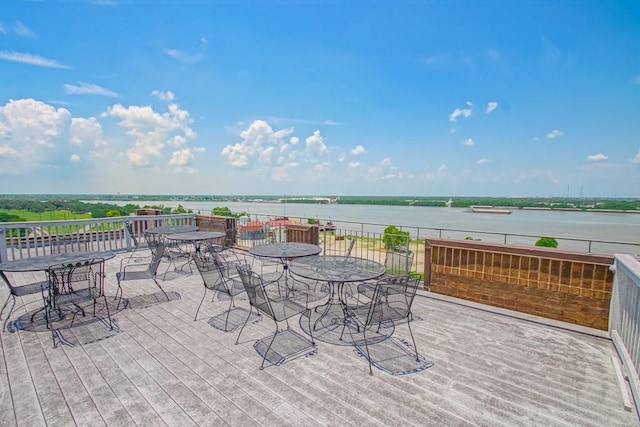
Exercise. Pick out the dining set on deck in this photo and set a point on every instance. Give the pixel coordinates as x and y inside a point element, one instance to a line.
<point>337,299</point>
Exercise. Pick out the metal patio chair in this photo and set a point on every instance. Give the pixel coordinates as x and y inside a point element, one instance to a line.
<point>279,309</point>
<point>20,291</point>
<point>214,280</point>
<point>391,302</point>
<point>134,272</point>
<point>71,285</point>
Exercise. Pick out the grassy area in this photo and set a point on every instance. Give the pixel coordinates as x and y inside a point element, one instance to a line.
<point>46,216</point>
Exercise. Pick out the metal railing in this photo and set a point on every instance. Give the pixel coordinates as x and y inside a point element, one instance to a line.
<point>19,240</point>
<point>624,318</point>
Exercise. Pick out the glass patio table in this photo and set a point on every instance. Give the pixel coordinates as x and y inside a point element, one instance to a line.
<point>336,271</point>
<point>285,252</point>
<point>42,263</point>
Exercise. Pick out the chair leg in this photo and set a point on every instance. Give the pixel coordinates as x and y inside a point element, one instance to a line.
<point>413,339</point>
<point>270,344</point>
<point>366,346</point>
<point>245,324</point>
<point>201,301</point>
<point>226,320</point>
<point>119,290</point>
<point>13,305</point>
<point>5,304</point>
<point>160,287</point>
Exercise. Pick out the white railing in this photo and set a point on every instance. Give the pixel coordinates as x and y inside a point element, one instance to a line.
<point>624,318</point>
<point>19,240</point>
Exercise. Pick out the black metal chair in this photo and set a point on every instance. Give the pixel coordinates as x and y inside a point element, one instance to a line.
<point>279,309</point>
<point>214,280</point>
<point>20,291</point>
<point>134,272</point>
<point>72,285</point>
<point>391,302</point>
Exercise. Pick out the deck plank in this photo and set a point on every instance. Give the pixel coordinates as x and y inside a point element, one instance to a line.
<point>164,368</point>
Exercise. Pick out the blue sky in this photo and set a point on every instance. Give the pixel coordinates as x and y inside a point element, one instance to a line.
<point>495,98</point>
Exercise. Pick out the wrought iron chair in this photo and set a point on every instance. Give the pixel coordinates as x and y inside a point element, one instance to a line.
<point>134,272</point>
<point>214,280</point>
<point>279,309</point>
<point>136,243</point>
<point>73,284</point>
<point>20,291</point>
<point>391,302</point>
<point>397,263</point>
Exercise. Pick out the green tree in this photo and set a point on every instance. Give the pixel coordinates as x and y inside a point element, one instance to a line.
<point>112,213</point>
<point>393,237</point>
<point>547,242</point>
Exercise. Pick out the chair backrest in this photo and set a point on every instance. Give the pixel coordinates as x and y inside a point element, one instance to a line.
<point>155,261</point>
<point>66,278</point>
<point>350,248</point>
<point>254,288</point>
<point>398,261</point>
<point>129,226</point>
<point>153,240</point>
<point>211,274</point>
<point>392,299</point>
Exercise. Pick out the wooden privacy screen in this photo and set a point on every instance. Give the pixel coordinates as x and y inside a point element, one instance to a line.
<point>570,287</point>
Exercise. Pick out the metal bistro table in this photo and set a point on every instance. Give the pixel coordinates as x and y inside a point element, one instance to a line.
<point>336,271</point>
<point>285,252</point>
<point>195,237</point>
<point>41,263</point>
<point>171,229</point>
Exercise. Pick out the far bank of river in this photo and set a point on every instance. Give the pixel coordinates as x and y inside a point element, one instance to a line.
<point>450,222</point>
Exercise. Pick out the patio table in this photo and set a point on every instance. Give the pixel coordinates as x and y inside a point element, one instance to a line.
<point>336,271</point>
<point>195,237</point>
<point>171,229</point>
<point>285,252</point>
<point>43,263</point>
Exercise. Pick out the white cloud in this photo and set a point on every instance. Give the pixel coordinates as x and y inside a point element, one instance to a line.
<point>74,158</point>
<point>342,157</point>
<point>491,106</point>
<point>152,130</point>
<point>27,58</point>
<point>315,144</point>
<point>89,89</point>
<point>353,165</point>
<point>31,131</point>
<point>258,143</point>
<point>22,30</point>
<point>182,157</point>
<point>357,150</point>
<point>294,140</point>
<point>464,112</point>
<point>183,57</point>
<point>438,173</point>
<point>482,161</point>
<point>554,134</point>
<point>597,157</point>
<point>636,159</point>
<point>386,161</point>
<point>84,130</point>
<point>164,95</point>
<point>468,142</point>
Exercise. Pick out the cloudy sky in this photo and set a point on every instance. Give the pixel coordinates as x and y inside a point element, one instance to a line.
<point>495,98</point>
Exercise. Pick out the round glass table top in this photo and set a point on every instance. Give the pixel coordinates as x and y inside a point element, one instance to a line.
<point>331,268</point>
<point>196,235</point>
<point>171,229</point>
<point>43,262</point>
<point>285,250</point>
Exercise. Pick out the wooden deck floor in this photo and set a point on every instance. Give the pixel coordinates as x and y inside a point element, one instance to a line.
<point>162,368</point>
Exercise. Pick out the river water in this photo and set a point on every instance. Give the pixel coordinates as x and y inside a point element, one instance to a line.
<point>435,221</point>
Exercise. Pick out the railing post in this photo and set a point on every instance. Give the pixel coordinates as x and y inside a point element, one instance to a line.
<point>3,245</point>
<point>127,236</point>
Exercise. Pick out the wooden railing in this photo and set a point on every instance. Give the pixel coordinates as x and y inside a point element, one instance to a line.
<point>567,286</point>
<point>624,318</point>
